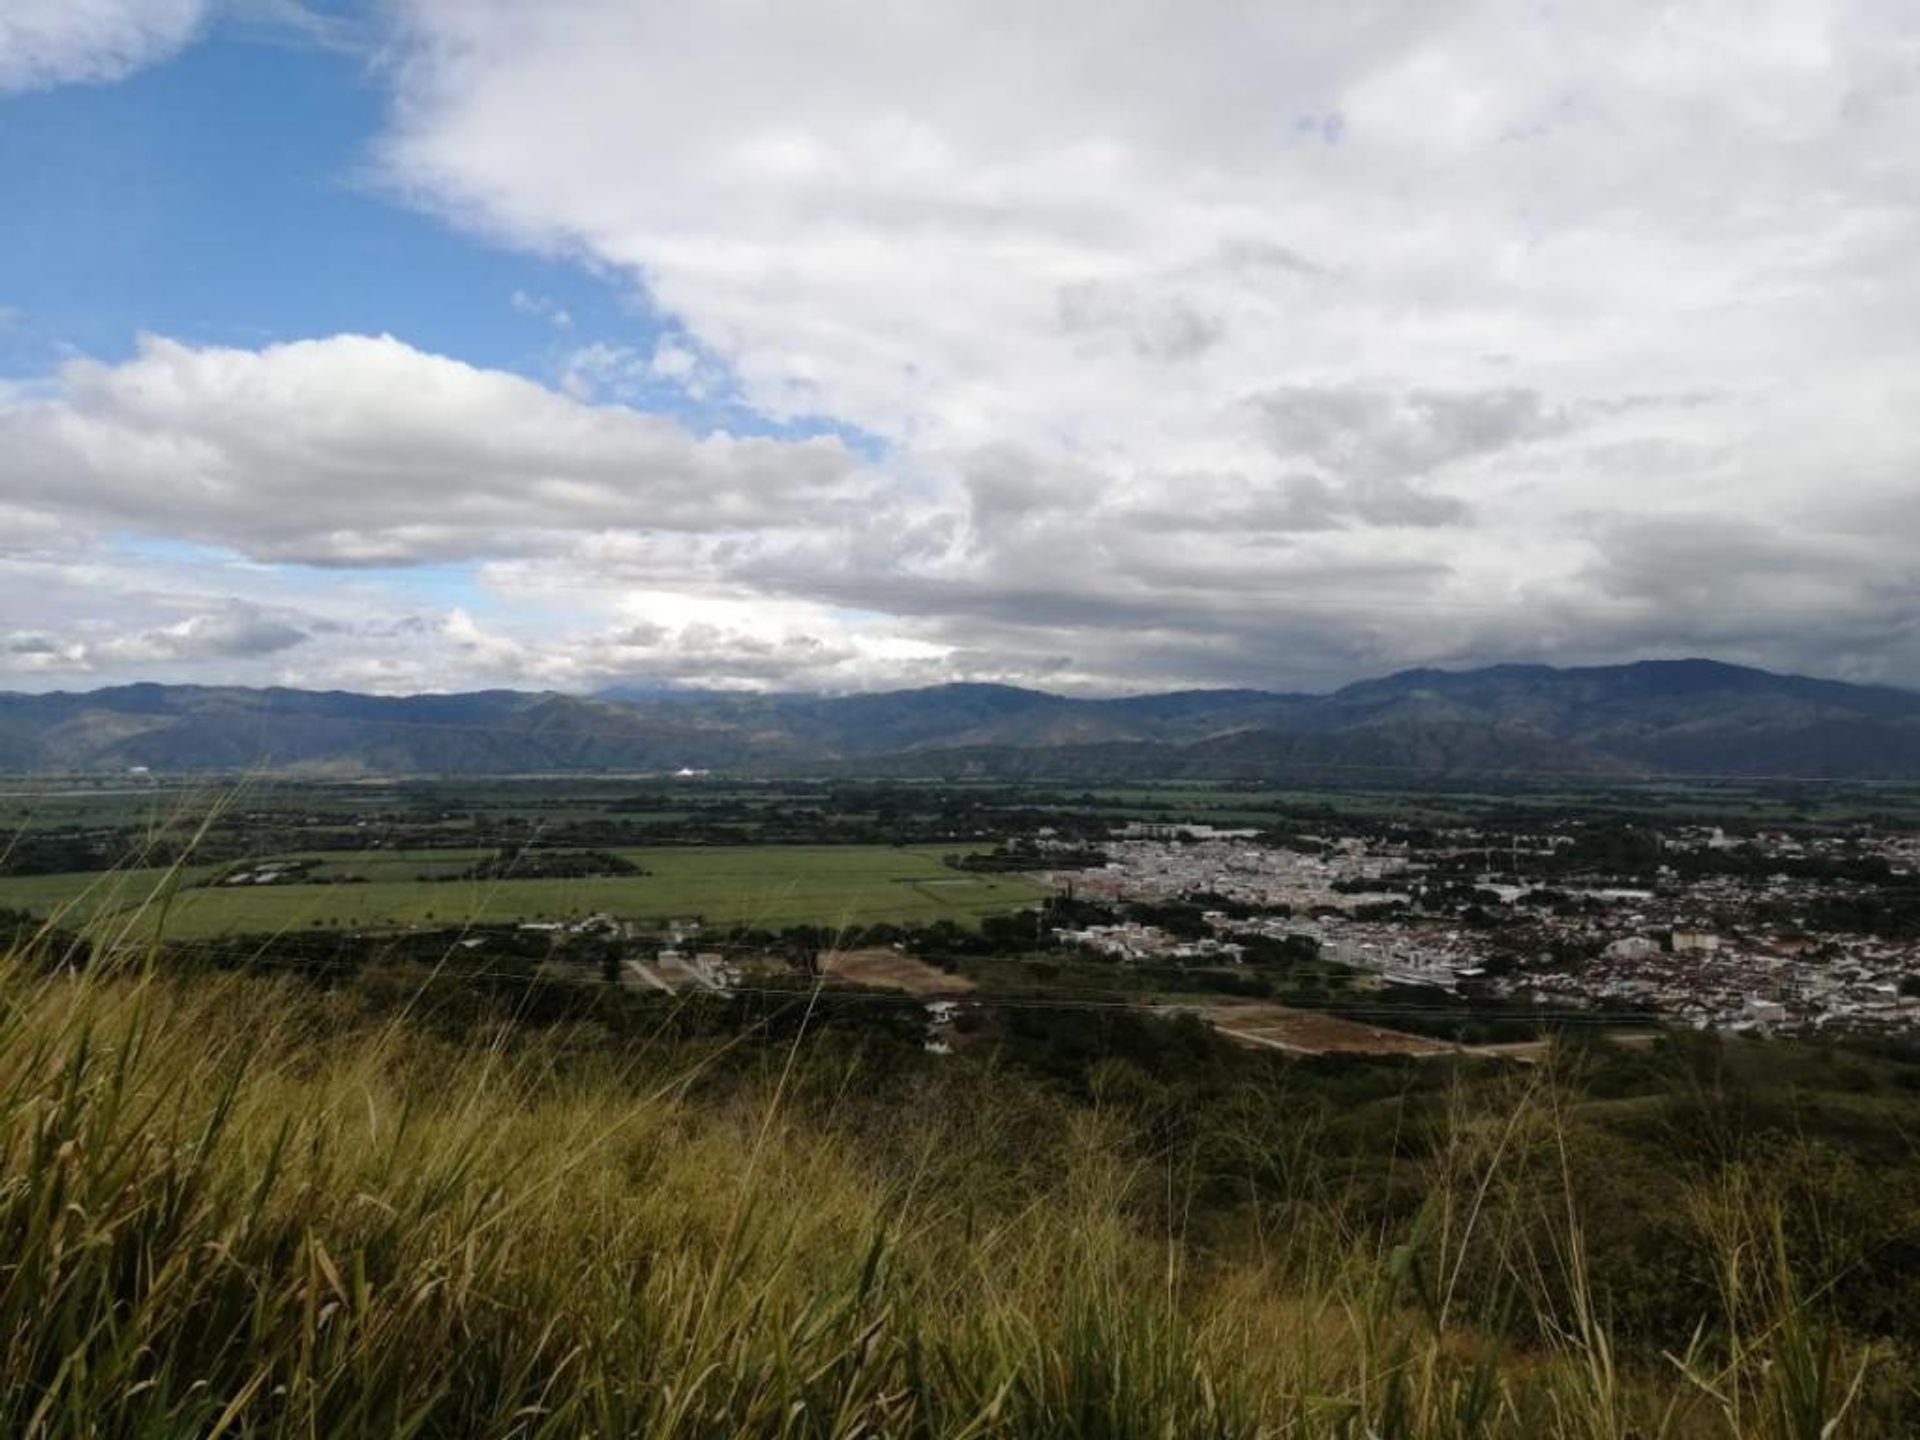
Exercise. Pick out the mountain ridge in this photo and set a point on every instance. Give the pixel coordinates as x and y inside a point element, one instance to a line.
<point>1643,718</point>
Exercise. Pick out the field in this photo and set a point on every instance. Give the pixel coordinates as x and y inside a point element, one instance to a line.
<point>1673,801</point>
<point>762,886</point>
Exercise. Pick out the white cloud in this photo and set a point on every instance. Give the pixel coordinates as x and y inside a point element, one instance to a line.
<point>1202,343</point>
<point>539,307</point>
<point>362,450</point>
<point>705,641</point>
<point>56,42</point>
<point>1172,312</point>
<point>601,368</point>
<point>237,631</point>
<point>997,225</point>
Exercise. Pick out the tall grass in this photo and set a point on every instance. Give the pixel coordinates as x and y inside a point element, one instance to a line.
<point>234,1205</point>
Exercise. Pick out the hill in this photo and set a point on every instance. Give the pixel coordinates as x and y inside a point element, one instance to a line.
<point>394,1202</point>
<point>1647,719</point>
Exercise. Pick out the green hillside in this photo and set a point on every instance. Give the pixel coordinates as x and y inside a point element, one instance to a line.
<point>1687,717</point>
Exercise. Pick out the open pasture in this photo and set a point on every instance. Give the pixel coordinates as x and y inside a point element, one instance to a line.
<point>764,886</point>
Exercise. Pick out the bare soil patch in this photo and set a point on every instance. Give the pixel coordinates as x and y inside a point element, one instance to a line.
<point>1307,1032</point>
<point>889,968</point>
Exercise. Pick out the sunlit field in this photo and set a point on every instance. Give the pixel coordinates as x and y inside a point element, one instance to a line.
<point>753,885</point>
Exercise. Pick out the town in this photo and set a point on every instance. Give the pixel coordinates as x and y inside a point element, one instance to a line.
<point>1511,911</point>
<point>1764,931</point>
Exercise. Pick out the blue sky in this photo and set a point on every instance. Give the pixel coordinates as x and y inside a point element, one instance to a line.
<point>828,348</point>
<point>228,196</point>
<point>223,196</point>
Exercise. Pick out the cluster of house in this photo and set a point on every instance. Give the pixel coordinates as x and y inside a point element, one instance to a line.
<point>1717,950</point>
<point>1235,867</point>
<point>681,964</point>
<point>1131,940</point>
<point>1741,981</point>
<point>270,872</point>
<point>671,961</point>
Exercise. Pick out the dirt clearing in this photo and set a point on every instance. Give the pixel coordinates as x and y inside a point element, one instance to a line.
<point>1307,1032</point>
<point>890,969</point>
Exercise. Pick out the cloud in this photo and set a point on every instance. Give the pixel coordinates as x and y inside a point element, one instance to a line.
<point>1373,434</point>
<point>58,42</point>
<point>1175,313</point>
<point>699,642</point>
<point>600,370</point>
<point>925,221</point>
<point>230,631</point>
<point>1164,328</point>
<point>237,632</point>
<point>1735,587</point>
<point>362,450</point>
<point>539,307</point>
<point>1187,344</point>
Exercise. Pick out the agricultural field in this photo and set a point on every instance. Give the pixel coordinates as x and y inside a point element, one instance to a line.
<point>1670,802</point>
<point>81,897</point>
<point>760,886</point>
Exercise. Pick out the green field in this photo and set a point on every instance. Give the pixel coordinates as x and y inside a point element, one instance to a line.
<point>767,886</point>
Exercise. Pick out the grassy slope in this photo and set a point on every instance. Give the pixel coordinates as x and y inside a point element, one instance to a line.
<point>234,1205</point>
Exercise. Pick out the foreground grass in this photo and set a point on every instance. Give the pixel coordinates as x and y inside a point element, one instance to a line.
<point>232,1205</point>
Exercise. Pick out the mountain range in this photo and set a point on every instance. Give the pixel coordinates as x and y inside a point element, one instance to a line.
<point>1649,718</point>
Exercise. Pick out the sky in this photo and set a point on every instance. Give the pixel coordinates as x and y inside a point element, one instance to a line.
<point>1099,347</point>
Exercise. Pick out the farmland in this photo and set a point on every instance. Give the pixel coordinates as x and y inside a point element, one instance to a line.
<point>761,886</point>
<point>1495,914</point>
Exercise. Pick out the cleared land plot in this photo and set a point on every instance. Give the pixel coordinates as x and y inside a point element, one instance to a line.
<point>888,969</point>
<point>1306,1032</point>
<point>79,896</point>
<point>765,886</point>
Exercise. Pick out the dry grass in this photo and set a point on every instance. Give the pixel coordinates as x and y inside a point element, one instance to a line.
<point>239,1206</point>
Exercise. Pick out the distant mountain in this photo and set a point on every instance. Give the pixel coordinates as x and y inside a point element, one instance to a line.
<point>1690,717</point>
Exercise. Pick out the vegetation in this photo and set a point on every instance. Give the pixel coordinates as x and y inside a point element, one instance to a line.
<point>462,1180</point>
<point>1685,717</point>
<point>236,1203</point>
<point>754,885</point>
